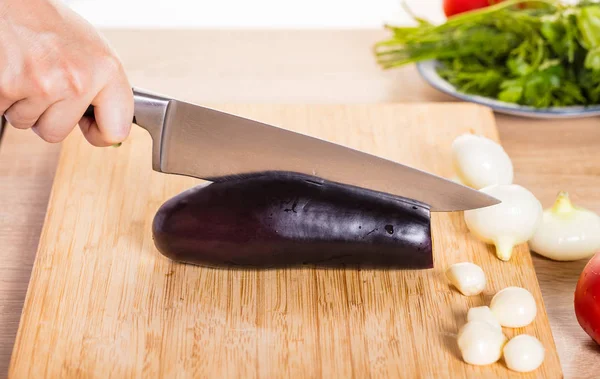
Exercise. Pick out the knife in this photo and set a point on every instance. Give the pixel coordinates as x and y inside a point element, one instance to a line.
<point>195,141</point>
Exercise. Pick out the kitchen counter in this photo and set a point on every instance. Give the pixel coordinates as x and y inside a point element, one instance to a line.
<point>299,67</point>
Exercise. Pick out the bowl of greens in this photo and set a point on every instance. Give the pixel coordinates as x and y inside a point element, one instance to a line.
<point>535,58</point>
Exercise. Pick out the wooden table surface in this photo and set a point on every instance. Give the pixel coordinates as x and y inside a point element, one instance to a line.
<point>299,67</point>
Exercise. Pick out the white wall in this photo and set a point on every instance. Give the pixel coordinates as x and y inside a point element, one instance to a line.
<point>251,13</point>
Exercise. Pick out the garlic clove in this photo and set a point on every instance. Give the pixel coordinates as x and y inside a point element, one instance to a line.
<point>467,277</point>
<point>567,233</point>
<point>480,343</point>
<point>509,223</point>
<point>481,162</point>
<point>514,307</point>
<point>485,314</point>
<point>524,353</point>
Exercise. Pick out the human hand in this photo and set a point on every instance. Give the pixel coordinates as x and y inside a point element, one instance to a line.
<point>53,65</point>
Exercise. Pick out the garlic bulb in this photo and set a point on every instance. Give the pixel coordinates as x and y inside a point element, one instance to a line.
<point>524,353</point>
<point>467,277</point>
<point>506,224</point>
<point>483,314</point>
<point>567,233</point>
<point>514,307</point>
<point>480,343</point>
<point>481,162</point>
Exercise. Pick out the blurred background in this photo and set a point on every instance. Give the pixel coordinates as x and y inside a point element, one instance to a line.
<point>251,14</point>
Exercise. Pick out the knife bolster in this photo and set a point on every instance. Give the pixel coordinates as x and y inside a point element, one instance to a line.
<point>150,114</point>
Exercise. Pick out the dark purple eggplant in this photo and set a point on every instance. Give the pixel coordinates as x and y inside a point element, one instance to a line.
<point>283,219</point>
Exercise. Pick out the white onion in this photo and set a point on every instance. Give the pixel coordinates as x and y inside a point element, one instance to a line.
<point>506,224</point>
<point>481,162</point>
<point>567,232</point>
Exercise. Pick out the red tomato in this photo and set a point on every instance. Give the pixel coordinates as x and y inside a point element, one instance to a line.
<point>452,7</point>
<point>587,298</point>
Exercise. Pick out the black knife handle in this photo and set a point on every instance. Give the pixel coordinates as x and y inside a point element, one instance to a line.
<point>89,112</point>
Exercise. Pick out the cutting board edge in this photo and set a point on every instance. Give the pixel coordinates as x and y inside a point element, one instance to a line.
<point>36,263</point>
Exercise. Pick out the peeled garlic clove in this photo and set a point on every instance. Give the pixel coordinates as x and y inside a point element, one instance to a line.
<point>567,233</point>
<point>484,314</point>
<point>514,307</point>
<point>481,162</point>
<point>506,224</point>
<point>480,343</point>
<point>467,277</point>
<point>524,353</point>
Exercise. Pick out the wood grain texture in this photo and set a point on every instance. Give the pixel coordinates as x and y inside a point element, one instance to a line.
<point>103,302</point>
<point>25,181</point>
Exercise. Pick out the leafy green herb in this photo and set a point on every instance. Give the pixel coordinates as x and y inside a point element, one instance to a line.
<point>543,55</point>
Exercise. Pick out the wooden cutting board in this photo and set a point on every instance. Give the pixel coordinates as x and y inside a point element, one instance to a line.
<point>103,302</point>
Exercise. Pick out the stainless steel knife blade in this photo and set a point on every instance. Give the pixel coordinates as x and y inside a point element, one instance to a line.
<point>205,143</point>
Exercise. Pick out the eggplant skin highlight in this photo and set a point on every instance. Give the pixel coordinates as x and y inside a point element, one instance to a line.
<point>286,219</point>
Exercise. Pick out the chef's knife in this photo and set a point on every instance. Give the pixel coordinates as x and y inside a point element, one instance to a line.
<point>204,143</point>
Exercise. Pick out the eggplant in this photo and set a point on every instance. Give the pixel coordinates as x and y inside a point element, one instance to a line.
<point>287,219</point>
